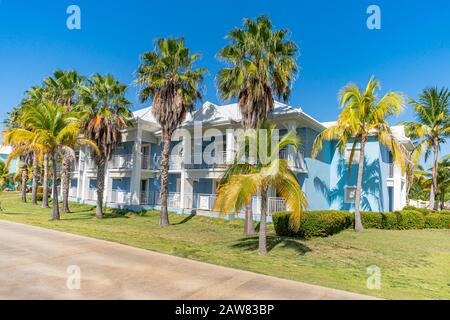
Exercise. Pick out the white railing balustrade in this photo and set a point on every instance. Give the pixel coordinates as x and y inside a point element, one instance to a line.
<point>120,197</point>
<point>122,161</point>
<point>73,192</point>
<point>276,205</point>
<point>92,194</point>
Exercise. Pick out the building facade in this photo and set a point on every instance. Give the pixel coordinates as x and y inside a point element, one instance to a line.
<point>212,132</point>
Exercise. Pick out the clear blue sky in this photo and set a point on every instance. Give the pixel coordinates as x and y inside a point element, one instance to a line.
<point>410,52</point>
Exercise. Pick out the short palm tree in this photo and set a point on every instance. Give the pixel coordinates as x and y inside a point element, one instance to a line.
<point>425,178</point>
<point>431,128</point>
<point>364,115</point>
<point>105,103</point>
<point>64,87</point>
<point>261,63</point>
<point>167,77</point>
<point>268,172</point>
<point>49,128</point>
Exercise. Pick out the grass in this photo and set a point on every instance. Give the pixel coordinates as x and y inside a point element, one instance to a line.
<point>414,264</point>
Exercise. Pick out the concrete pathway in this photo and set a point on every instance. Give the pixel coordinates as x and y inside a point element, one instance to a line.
<point>37,263</point>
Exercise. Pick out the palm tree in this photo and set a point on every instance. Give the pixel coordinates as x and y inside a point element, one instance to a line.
<point>269,172</point>
<point>425,178</point>
<point>364,115</point>
<point>261,63</point>
<point>64,87</point>
<point>49,128</point>
<point>104,100</point>
<point>432,127</point>
<point>167,77</point>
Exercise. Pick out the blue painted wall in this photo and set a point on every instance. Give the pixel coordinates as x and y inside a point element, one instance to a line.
<point>121,184</point>
<point>125,148</point>
<point>203,186</point>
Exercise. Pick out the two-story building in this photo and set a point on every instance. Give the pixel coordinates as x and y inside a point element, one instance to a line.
<point>206,144</point>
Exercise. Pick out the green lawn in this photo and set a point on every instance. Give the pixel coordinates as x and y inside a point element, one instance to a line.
<point>414,264</point>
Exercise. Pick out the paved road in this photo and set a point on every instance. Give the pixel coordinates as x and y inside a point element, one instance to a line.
<point>34,264</point>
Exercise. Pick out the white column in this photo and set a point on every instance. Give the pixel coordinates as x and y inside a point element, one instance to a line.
<point>84,182</point>
<point>137,168</point>
<point>397,188</point>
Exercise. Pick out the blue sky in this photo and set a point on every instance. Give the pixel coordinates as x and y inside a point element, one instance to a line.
<point>410,52</point>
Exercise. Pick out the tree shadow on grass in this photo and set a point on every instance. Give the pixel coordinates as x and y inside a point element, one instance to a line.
<point>252,244</point>
<point>186,219</point>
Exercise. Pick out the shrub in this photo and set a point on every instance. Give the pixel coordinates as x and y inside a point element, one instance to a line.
<point>437,221</point>
<point>424,211</point>
<point>410,219</point>
<point>40,189</point>
<point>313,223</point>
<point>372,220</point>
<point>445,212</point>
<point>40,196</point>
<point>390,220</point>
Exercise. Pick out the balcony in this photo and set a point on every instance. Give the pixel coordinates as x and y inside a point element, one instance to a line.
<point>296,160</point>
<point>154,163</point>
<point>122,161</point>
<point>92,194</point>
<point>119,197</point>
<point>219,160</point>
<point>152,198</point>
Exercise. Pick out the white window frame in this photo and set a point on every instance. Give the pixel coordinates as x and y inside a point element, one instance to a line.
<point>347,189</point>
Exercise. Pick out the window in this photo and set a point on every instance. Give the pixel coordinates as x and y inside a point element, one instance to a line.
<point>350,194</point>
<point>356,155</point>
<point>92,183</point>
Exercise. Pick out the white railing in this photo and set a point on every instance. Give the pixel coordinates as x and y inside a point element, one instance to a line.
<point>122,161</point>
<point>92,194</point>
<point>175,162</point>
<point>276,205</point>
<point>90,163</point>
<point>73,192</point>
<point>121,197</point>
<point>153,198</point>
<point>219,160</point>
<point>296,160</point>
<point>204,201</point>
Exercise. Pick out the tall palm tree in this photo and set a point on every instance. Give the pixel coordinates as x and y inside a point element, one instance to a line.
<point>266,173</point>
<point>261,63</point>
<point>49,128</point>
<point>64,87</point>
<point>432,127</point>
<point>104,100</point>
<point>364,115</point>
<point>167,77</point>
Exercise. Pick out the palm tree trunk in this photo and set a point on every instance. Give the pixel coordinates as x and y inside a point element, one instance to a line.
<point>24,183</point>
<point>65,183</point>
<point>263,225</point>
<point>249,229</point>
<point>45,183</point>
<point>35,179</point>
<point>101,161</point>
<point>442,206</point>
<point>55,208</point>
<point>435,174</point>
<point>164,216</point>
<point>358,223</point>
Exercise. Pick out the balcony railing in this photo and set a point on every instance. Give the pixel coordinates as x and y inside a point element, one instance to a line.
<point>154,163</point>
<point>219,160</point>
<point>152,198</point>
<point>296,160</point>
<point>122,161</point>
<point>92,194</point>
<point>73,192</point>
<point>119,197</point>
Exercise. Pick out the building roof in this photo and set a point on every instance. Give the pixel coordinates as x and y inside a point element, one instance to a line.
<point>211,113</point>
<point>5,149</point>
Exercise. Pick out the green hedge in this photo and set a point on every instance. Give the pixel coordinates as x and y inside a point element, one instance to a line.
<point>424,211</point>
<point>445,212</point>
<point>437,221</point>
<point>313,223</point>
<point>399,220</point>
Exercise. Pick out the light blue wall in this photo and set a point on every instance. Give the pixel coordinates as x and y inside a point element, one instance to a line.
<point>126,148</point>
<point>375,192</point>
<point>315,183</point>
<point>203,186</point>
